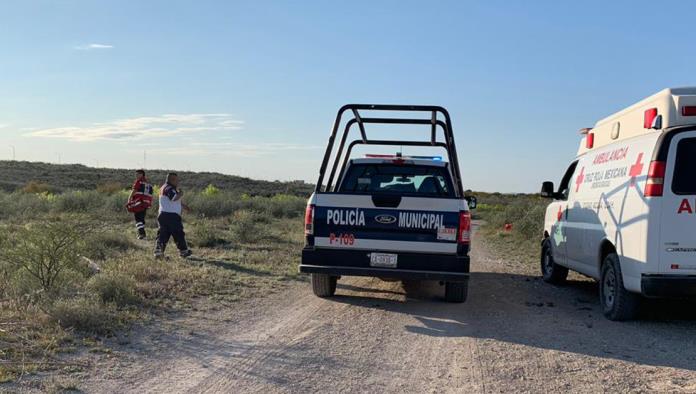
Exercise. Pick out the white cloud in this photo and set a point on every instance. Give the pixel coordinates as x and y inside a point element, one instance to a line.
<point>231,149</point>
<point>90,47</point>
<point>143,127</point>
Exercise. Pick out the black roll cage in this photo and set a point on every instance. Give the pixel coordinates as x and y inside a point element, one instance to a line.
<point>434,123</point>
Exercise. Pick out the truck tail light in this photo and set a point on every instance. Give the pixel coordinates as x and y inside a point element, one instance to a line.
<point>309,220</point>
<point>464,227</point>
<point>656,179</point>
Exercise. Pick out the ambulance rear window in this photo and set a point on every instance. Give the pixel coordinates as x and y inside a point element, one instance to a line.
<point>398,179</point>
<point>684,180</point>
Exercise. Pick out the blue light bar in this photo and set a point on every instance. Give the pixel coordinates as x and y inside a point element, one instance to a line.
<point>433,158</point>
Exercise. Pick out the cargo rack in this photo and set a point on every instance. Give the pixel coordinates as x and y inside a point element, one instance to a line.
<point>433,121</point>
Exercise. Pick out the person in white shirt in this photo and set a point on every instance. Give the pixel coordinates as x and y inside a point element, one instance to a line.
<point>169,218</point>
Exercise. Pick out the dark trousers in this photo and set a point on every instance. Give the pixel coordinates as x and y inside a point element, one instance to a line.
<point>170,225</point>
<point>140,221</point>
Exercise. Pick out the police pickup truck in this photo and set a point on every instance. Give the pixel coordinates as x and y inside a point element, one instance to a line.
<point>391,217</point>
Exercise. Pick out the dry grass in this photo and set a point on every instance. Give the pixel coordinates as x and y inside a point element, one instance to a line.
<point>38,324</point>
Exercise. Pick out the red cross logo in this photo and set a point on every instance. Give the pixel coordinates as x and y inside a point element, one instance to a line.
<point>560,213</point>
<point>580,179</point>
<point>636,169</point>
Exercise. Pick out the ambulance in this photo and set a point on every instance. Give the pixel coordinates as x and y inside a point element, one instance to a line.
<point>390,216</point>
<point>624,212</point>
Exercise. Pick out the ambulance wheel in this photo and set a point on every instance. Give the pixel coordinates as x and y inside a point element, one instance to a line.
<point>618,304</point>
<point>550,271</point>
<point>456,291</point>
<point>324,285</point>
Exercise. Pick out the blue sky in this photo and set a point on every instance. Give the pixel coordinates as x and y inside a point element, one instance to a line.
<point>251,88</point>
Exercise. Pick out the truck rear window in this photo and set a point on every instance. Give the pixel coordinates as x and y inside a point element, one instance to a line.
<point>398,179</point>
<point>684,180</point>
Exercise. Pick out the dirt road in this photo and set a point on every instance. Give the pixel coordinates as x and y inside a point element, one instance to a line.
<point>514,334</point>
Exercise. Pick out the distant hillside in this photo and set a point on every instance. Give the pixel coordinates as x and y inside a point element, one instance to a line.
<point>15,174</point>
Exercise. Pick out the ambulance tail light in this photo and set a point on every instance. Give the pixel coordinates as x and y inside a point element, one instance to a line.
<point>689,110</point>
<point>649,118</point>
<point>464,228</point>
<point>656,179</point>
<point>309,220</point>
<point>589,141</point>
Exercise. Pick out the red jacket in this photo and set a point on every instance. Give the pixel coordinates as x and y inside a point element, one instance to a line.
<point>142,197</point>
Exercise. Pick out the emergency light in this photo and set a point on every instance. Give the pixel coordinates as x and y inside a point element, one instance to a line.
<point>379,156</point>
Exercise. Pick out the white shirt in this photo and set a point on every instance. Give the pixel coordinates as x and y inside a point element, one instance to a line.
<point>167,202</point>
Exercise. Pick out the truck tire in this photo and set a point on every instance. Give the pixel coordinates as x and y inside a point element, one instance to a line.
<point>618,304</point>
<point>550,271</point>
<point>324,285</point>
<point>456,291</point>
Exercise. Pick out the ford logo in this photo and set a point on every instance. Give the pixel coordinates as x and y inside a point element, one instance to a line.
<point>385,219</point>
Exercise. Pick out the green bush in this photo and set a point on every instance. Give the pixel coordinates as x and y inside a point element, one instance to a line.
<point>115,288</point>
<point>285,206</point>
<point>45,251</point>
<point>80,201</point>
<point>24,206</point>
<point>244,226</point>
<point>210,191</point>
<point>86,315</point>
<point>205,235</point>
<point>103,245</point>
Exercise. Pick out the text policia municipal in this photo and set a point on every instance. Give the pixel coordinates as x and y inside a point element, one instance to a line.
<point>415,220</point>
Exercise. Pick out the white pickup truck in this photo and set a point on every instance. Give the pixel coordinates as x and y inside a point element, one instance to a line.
<point>389,216</point>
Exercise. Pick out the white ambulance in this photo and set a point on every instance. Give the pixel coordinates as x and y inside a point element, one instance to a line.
<point>625,210</point>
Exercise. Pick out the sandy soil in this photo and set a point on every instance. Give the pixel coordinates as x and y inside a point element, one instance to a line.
<point>514,334</point>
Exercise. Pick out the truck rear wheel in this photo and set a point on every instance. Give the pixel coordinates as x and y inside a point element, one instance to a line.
<point>617,303</point>
<point>550,271</point>
<point>456,291</point>
<point>324,285</point>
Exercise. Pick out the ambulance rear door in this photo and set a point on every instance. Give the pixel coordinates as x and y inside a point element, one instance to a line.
<point>678,224</point>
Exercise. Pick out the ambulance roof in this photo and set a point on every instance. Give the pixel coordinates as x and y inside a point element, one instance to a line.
<point>656,113</point>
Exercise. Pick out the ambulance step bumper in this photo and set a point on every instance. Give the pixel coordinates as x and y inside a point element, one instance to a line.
<point>414,266</point>
<point>668,285</point>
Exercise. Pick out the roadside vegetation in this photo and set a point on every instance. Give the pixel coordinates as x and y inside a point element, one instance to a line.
<point>513,224</point>
<point>57,178</point>
<point>72,272</point>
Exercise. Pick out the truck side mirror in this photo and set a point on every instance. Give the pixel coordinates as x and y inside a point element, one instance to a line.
<point>547,190</point>
<point>471,201</point>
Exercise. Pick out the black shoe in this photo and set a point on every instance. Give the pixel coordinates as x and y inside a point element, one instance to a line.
<point>141,236</point>
<point>185,253</point>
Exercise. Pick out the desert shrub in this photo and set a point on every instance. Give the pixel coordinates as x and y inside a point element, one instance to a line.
<point>37,187</point>
<point>525,214</point>
<point>26,206</point>
<point>80,201</point>
<point>213,205</point>
<point>45,251</point>
<point>114,287</point>
<point>205,235</point>
<point>103,245</point>
<point>86,315</point>
<point>244,226</point>
<point>284,206</point>
<point>109,187</point>
<point>116,202</point>
<point>210,190</point>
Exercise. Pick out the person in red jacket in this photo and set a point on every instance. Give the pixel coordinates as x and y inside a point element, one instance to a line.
<point>139,201</point>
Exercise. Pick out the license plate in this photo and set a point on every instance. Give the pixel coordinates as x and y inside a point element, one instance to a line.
<point>384,260</point>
